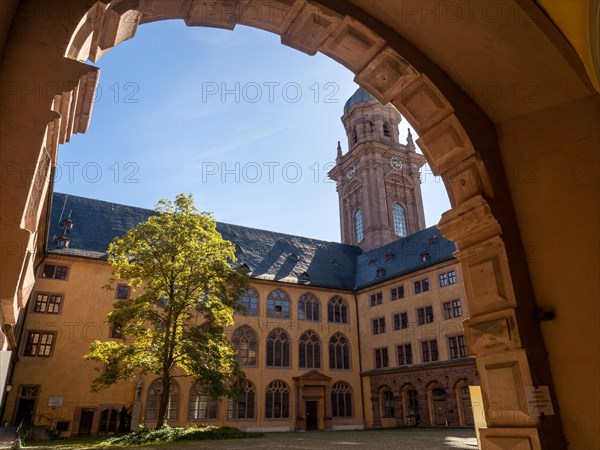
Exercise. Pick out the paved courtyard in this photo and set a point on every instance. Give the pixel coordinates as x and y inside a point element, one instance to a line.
<point>404,439</point>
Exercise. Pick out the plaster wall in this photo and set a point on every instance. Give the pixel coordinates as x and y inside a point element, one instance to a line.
<point>439,329</point>
<point>80,321</point>
<point>552,162</point>
<point>85,304</point>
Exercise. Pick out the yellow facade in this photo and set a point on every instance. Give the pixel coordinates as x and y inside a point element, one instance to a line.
<point>448,369</point>
<point>62,398</point>
<point>65,377</point>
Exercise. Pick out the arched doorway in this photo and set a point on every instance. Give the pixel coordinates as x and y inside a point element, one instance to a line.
<point>481,207</point>
<point>410,403</point>
<point>109,421</point>
<point>463,402</point>
<point>439,406</point>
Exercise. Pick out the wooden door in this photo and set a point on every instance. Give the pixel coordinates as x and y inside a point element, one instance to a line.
<point>85,422</point>
<point>312,415</point>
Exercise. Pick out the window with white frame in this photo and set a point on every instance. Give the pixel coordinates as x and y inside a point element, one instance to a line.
<point>358,225</point>
<point>399,216</point>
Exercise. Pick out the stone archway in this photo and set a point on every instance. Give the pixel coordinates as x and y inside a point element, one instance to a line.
<point>457,138</point>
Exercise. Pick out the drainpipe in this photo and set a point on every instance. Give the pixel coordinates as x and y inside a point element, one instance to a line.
<point>362,394</point>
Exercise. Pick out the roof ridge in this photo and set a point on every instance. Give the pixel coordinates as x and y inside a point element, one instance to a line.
<point>278,233</point>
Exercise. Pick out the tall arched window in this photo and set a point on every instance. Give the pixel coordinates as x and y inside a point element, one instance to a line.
<point>202,406</point>
<point>278,349</point>
<point>341,399</point>
<point>411,397</point>
<point>278,305</point>
<point>242,407</point>
<point>337,310</point>
<point>308,307</point>
<point>354,136</point>
<point>309,351</point>
<point>154,401</point>
<point>339,352</point>
<point>399,220</point>
<point>358,225</point>
<point>244,340</point>
<point>386,129</point>
<point>277,400</point>
<point>108,421</point>
<point>249,300</point>
<point>387,403</point>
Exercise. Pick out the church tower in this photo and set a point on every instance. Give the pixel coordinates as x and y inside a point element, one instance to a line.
<point>377,180</point>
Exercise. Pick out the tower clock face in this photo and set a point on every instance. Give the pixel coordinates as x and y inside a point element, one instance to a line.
<point>351,171</point>
<point>395,163</point>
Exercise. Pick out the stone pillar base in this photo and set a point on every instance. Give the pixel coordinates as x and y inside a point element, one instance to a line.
<point>509,439</point>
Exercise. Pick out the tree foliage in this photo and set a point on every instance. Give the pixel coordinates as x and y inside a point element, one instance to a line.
<point>189,290</point>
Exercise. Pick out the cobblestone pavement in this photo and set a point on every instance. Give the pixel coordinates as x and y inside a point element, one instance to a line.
<point>372,439</point>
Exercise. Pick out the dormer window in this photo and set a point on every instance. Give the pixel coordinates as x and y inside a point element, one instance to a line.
<point>62,242</point>
<point>433,240</point>
<point>424,256</point>
<point>67,224</point>
<point>304,277</point>
<point>389,256</point>
<point>380,272</point>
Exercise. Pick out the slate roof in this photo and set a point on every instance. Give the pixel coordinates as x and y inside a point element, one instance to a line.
<point>268,255</point>
<point>418,251</point>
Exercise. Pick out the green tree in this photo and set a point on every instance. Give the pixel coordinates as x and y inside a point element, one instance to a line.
<point>189,292</point>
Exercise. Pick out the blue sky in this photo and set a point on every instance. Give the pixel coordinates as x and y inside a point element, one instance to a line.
<point>249,126</point>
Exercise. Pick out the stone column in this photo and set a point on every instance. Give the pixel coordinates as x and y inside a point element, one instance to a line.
<point>492,332</point>
<point>327,407</point>
<point>376,405</point>
<point>398,408</point>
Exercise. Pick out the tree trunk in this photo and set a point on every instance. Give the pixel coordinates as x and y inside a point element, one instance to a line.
<point>164,402</point>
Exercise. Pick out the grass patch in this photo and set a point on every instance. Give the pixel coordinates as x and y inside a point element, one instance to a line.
<point>168,434</point>
<point>144,436</point>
